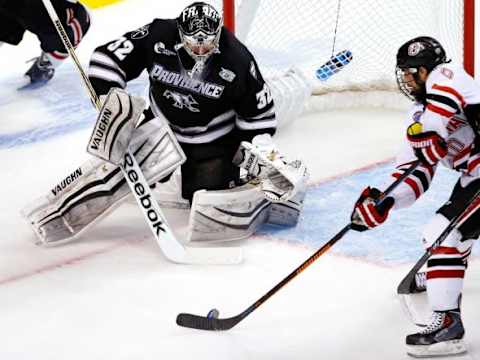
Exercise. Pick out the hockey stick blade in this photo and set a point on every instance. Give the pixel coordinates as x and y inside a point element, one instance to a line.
<point>336,63</point>
<point>204,323</point>
<point>407,285</point>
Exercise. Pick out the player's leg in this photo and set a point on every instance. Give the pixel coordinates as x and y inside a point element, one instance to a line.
<point>209,167</point>
<point>76,22</point>
<point>11,31</point>
<point>444,277</point>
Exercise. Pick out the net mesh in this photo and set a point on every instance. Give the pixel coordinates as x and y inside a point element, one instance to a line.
<point>305,33</point>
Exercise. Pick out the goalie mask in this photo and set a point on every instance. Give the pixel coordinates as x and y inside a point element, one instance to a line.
<point>419,52</point>
<point>200,25</point>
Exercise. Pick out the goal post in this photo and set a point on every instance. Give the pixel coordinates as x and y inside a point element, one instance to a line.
<point>305,33</point>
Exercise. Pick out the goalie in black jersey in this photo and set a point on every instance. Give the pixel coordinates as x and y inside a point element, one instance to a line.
<point>19,16</point>
<point>202,80</point>
<point>206,88</point>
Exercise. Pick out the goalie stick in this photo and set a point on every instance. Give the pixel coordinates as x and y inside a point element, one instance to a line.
<point>212,322</point>
<point>407,284</point>
<point>170,246</point>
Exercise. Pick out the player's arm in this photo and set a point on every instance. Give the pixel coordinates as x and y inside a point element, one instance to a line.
<point>254,105</point>
<point>119,61</point>
<point>280,179</point>
<point>366,215</point>
<point>443,101</point>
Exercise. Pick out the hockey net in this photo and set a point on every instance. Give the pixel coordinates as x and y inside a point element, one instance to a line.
<point>305,33</point>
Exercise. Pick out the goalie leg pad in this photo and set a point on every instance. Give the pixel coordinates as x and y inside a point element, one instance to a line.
<point>94,189</point>
<point>287,213</point>
<point>290,92</point>
<point>227,215</point>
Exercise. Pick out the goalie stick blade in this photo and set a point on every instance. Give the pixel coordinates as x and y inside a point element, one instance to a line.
<point>407,284</point>
<point>336,63</point>
<point>204,323</point>
<point>211,256</point>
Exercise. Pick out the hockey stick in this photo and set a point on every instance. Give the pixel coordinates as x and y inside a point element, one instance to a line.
<point>212,322</point>
<point>407,285</point>
<point>170,246</point>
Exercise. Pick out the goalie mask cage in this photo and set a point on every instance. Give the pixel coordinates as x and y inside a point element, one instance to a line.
<point>305,33</point>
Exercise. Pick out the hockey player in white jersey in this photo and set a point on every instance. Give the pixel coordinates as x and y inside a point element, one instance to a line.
<point>446,117</point>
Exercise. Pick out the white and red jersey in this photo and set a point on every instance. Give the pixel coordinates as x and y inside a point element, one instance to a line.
<point>449,90</point>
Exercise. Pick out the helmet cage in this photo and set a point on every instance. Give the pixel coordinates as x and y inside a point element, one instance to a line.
<point>406,86</point>
<point>200,26</point>
<point>422,51</point>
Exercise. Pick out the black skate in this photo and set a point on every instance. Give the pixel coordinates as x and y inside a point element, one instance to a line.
<point>40,72</point>
<point>442,337</point>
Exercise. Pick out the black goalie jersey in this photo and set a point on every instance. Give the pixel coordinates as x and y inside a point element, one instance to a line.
<point>228,95</point>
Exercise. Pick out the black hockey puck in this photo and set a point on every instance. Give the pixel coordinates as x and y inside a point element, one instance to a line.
<point>213,314</point>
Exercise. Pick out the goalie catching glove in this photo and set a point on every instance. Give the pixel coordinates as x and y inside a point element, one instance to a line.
<point>279,180</point>
<point>366,214</point>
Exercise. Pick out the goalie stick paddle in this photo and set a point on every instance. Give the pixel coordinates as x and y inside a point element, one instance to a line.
<point>407,285</point>
<point>336,63</point>
<point>212,322</point>
<point>172,249</point>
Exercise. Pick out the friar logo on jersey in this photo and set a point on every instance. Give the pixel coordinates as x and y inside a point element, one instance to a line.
<point>140,33</point>
<point>227,75</point>
<point>159,48</point>
<point>182,101</point>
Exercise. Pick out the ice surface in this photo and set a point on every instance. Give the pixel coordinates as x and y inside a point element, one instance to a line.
<point>111,294</point>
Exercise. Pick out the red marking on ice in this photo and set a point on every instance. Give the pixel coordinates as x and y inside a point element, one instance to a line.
<point>71,261</point>
<point>59,264</point>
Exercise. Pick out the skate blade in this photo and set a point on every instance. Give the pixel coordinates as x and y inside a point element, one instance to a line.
<point>32,85</point>
<point>442,349</point>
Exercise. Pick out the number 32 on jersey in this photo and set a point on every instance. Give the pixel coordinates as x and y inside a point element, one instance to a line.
<point>264,97</point>
<point>121,48</point>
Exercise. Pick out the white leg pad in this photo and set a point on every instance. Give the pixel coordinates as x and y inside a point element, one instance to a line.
<point>227,215</point>
<point>95,188</point>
